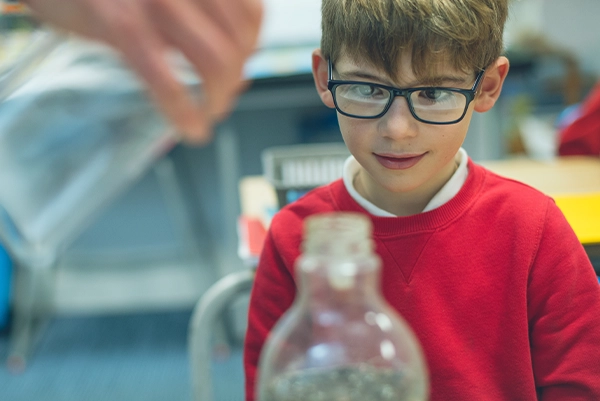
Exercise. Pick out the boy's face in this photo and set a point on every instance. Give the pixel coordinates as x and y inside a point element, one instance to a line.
<point>401,157</point>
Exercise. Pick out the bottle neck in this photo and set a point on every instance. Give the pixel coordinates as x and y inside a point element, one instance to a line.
<point>338,265</point>
<point>338,282</point>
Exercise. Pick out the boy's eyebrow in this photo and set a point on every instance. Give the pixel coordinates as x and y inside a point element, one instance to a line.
<point>435,80</point>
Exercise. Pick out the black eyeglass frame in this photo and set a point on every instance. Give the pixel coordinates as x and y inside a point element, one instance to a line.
<point>332,84</point>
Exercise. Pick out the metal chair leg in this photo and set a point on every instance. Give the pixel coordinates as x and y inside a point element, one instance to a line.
<point>208,309</point>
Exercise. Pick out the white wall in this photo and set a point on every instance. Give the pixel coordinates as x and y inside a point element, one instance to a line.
<point>291,22</point>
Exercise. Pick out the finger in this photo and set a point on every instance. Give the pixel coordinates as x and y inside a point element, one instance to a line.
<point>146,54</point>
<point>252,11</point>
<point>240,18</point>
<point>207,46</point>
<point>243,84</point>
<point>122,24</point>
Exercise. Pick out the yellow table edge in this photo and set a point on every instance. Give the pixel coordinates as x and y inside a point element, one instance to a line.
<point>582,211</point>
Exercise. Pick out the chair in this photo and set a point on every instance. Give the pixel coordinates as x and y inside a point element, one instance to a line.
<point>204,318</point>
<point>290,171</point>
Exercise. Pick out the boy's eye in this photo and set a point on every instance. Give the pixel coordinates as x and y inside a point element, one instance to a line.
<point>365,91</point>
<point>432,93</point>
<point>434,97</point>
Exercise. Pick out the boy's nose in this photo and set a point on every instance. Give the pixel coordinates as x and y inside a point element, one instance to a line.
<point>398,122</point>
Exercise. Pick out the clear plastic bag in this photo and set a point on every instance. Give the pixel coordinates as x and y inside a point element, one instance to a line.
<point>76,128</point>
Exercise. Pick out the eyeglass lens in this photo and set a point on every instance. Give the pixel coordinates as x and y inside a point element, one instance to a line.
<point>429,104</point>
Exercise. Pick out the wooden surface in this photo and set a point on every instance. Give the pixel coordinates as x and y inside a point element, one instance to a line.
<point>562,176</point>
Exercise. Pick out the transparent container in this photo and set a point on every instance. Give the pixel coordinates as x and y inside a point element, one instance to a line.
<point>76,129</point>
<point>340,340</point>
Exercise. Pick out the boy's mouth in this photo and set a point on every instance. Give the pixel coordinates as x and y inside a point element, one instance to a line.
<point>398,162</point>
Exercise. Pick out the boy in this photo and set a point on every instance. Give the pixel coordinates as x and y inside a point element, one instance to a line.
<point>486,270</point>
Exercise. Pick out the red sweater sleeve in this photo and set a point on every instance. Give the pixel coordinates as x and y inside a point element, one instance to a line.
<point>272,294</point>
<point>564,319</point>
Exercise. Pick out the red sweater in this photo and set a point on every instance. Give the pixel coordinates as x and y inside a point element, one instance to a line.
<point>494,283</point>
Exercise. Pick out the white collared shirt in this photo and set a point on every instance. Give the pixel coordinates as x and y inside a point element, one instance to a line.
<point>447,192</point>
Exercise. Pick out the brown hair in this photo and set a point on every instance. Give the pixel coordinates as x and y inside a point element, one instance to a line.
<point>464,34</point>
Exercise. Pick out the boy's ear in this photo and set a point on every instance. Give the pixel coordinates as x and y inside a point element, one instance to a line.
<point>491,86</point>
<point>320,75</point>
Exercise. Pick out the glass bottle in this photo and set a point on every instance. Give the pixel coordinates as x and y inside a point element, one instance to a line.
<point>340,340</point>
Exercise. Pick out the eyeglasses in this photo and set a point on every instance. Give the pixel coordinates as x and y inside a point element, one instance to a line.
<point>429,104</point>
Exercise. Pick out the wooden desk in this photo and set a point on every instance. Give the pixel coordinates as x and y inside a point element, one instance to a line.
<point>574,183</point>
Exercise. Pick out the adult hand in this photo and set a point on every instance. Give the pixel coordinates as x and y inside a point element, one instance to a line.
<point>216,36</point>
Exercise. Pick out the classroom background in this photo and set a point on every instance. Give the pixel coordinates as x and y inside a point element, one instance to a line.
<point>135,249</point>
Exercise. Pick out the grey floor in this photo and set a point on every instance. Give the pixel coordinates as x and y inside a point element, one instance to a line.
<point>127,357</point>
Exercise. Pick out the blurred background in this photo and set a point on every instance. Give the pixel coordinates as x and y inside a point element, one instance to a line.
<point>124,252</point>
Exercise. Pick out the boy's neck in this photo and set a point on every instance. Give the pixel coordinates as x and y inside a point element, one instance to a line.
<point>403,203</point>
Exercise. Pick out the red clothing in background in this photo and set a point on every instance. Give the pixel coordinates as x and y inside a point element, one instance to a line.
<point>494,283</point>
<point>582,136</point>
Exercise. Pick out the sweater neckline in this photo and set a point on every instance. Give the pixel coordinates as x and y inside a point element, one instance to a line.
<point>425,221</point>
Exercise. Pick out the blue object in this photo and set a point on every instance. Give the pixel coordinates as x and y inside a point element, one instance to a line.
<point>568,115</point>
<point>5,284</point>
<point>292,195</point>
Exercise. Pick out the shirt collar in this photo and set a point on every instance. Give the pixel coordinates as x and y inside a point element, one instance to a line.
<point>447,192</point>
